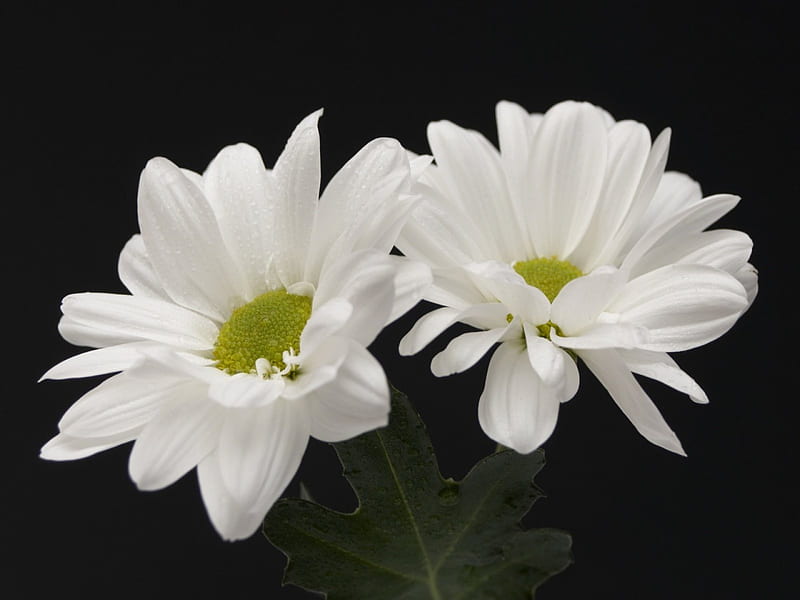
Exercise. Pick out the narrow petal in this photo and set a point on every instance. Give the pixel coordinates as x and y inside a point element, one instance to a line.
<point>432,324</point>
<point>237,187</point>
<point>318,366</point>
<point>184,243</point>
<point>119,404</point>
<point>325,321</point>
<point>137,273</point>
<point>366,280</point>
<point>681,306</point>
<point>98,362</point>
<point>231,520</point>
<point>356,401</point>
<point>244,390</point>
<point>615,376</point>
<point>499,281</point>
<point>581,300</point>
<point>569,162</point>
<point>548,360</point>
<point>178,438</point>
<point>296,176</point>
<point>375,176</point>
<point>661,367</point>
<point>411,281</point>
<point>516,409</point>
<point>96,319</point>
<point>464,351</point>
<point>476,176</point>
<point>675,192</point>
<point>692,219</point>
<point>67,447</point>
<point>260,449</point>
<point>748,277</point>
<point>604,335</point>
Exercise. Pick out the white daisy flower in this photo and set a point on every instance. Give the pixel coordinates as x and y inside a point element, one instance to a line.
<point>252,303</point>
<point>570,243</point>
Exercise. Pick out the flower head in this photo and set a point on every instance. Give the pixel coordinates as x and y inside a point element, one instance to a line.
<point>570,244</point>
<point>252,303</point>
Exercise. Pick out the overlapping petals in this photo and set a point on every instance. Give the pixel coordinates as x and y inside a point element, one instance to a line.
<point>576,186</point>
<point>214,242</point>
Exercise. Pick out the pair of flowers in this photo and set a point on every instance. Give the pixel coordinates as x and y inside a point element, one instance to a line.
<point>253,299</point>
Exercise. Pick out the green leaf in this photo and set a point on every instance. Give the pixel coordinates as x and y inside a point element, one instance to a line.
<point>416,534</point>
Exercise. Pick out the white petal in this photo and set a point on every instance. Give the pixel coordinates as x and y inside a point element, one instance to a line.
<point>67,447</point>
<point>260,449</point>
<point>411,281</point>
<point>184,244</point>
<point>432,324</point>
<point>675,192</point>
<point>693,219</point>
<point>96,319</point>
<point>181,435</point>
<point>318,367</point>
<point>476,176</point>
<point>661,367</point>
<point>366,280</point>
<point>296,176</point>
<point>500,281</point>
<point>628,149</point>
<point>136,271</point>
<point>121,403</point>
<point>516,409</point>
<point>98,362</point>
<point>612,372</point>
<point>231,520</point>
<point>569,162</point>
<point>681,306</point>
<point>356,401</point>
<point>454,287</point>
<point>748,277</point>
<point>548,360</point>
<point>244,390</point>
<point>464,351</point>
<point>373,177</point>
<point>581,300</point>
<point>629,228</point>
<point>604,335</point>
<point>325,321</point>
<point>237,187</point>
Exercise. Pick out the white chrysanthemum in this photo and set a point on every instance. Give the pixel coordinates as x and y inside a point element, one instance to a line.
<point>570,243</point>
<point>252,305</point>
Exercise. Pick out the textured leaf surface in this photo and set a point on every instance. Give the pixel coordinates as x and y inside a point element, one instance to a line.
<point>415,534</point>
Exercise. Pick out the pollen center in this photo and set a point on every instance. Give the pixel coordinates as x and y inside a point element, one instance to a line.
<point>263,328</point>
<point>547,274</point>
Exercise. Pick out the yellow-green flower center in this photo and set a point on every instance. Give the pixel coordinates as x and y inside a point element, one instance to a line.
<point>547,274</point>
<point>263,328</point>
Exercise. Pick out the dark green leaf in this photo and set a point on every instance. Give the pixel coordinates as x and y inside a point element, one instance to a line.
<point>416,534</point>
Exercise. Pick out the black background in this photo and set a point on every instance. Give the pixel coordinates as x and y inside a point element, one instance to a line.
<point>90,96</point>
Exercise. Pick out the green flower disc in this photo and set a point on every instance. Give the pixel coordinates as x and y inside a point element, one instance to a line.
<point>263,328</point>
<point>547,274</point>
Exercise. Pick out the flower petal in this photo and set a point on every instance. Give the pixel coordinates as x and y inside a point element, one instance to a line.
<point>604,335</point>
<point>373,178</point>
<point>237,187</point>
<point>119,404</point>
<point>178,438</point>
<point>581,300</point>
<point>412,279</point>
<point>615,376</point>
<point>500,281</point>
<point>98,362</point>
<point>569,162</point>
<point>67,447</point>
<point>355,401</point>
<point>548,360</point>
<point>296,176</point>
<point>475,174</point>
<point>244,390</point>
<point>96,319</point>
<point>184,243</point>
<point>260,450</point>
<point>464,351</point>
<point>661,367</point>
<point>681,306</point>
<point>516,409</point>
<point>137,273</point>
<point>325,321</point>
